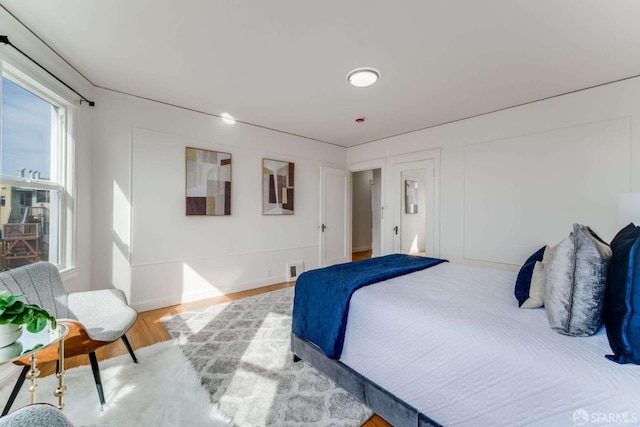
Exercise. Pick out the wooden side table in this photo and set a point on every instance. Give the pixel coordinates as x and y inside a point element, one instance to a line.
<point>26,349</point>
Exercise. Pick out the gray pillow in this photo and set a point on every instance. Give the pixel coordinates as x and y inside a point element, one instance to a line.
<point>576,275</point>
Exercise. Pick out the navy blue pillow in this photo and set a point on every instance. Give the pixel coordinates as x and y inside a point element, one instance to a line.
<point>523,282</point>
<point>621,312</point>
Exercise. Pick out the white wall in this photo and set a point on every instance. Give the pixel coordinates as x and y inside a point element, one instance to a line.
<point>515,180</point>
<point>361,210</point>
<point>144,243</point>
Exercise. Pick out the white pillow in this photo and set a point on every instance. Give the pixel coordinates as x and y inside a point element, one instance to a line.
<point>536,291</point>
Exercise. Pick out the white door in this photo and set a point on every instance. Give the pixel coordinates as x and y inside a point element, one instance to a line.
<point>335,216</point>
<point>414,208</point>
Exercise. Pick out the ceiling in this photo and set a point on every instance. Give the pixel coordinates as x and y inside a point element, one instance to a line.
<point>282,64</point>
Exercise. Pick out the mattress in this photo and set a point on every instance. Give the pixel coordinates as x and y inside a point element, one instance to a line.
<point>452,342</point>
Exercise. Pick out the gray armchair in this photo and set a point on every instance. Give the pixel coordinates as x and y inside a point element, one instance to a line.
<point>95,318</point>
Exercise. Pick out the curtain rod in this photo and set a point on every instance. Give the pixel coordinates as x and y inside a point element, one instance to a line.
<point>5,40</point>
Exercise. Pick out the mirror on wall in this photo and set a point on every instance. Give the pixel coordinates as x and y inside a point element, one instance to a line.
<point>413,219</point>
<point>410,197</point>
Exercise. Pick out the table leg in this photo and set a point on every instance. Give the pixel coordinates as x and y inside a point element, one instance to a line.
<point>31,376</point>
<point>62,388</point>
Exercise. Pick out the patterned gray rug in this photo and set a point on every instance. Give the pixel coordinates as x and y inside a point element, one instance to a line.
<point>242,352</point>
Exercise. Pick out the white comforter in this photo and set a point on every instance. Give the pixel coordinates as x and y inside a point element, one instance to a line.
<point>452,342</point>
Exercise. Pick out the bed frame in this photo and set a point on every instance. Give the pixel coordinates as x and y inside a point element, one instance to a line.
<point>382,402</point>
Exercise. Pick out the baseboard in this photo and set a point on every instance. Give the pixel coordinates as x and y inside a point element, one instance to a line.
<point>170,300</point>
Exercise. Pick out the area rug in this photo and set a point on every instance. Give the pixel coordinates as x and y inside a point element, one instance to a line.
<point>162,390</point>
<point>242,352</point>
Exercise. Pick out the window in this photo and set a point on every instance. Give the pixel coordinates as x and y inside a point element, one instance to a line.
<point>35,210</point>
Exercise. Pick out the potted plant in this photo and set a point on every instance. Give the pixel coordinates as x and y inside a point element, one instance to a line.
<point>15,313</point>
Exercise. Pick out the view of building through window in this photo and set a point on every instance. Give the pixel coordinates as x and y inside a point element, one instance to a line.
<point>30,194</point>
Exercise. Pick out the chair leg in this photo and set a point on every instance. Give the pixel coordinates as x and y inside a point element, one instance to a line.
<point>16,389</point>
<point>96,376</point>
<point>125,340</point>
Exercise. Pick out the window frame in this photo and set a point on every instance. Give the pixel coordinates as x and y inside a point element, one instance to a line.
<point>33,80</point>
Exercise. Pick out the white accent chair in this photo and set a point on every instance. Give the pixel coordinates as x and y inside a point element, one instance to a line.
<point>95,318</point>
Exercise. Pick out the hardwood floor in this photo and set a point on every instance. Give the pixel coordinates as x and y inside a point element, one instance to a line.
<point>357,256</point>
<point>149,330</point>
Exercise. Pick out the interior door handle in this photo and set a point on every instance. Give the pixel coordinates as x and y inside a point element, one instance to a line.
<point>323,227</point>
<point>395,229</point>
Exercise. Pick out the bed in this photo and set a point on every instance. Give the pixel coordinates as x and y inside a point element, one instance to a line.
<point>448,345</point>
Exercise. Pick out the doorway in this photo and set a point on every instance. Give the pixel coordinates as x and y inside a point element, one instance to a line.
<point>366,216</point>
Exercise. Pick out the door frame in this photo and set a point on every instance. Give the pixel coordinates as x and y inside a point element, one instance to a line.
<point>369,165</point>
<point>390,189</point>
<point>399,201</point>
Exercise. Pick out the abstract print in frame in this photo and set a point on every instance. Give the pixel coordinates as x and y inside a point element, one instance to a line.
<point>208,182</point>
<point>277,187</point>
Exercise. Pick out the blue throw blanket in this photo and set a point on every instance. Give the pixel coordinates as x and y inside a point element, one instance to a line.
<point>321,302</point>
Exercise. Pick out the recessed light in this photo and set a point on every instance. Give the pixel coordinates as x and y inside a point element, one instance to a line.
<point>363,77</point>
<point>227,118</point>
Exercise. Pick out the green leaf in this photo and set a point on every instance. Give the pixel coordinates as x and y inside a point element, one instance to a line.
<point>17,307</point>
<point>11,318</point>
<point>9,299</point>
<point>36,324</point>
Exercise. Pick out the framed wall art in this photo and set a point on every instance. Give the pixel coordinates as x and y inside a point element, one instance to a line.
<point>208,182</point>
<point>277,187</point>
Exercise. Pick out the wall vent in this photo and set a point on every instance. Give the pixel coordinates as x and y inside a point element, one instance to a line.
<point>294,269</point>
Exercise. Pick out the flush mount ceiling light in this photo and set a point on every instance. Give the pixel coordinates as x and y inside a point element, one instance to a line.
<point>228,118</point>
<point>363,77</point>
